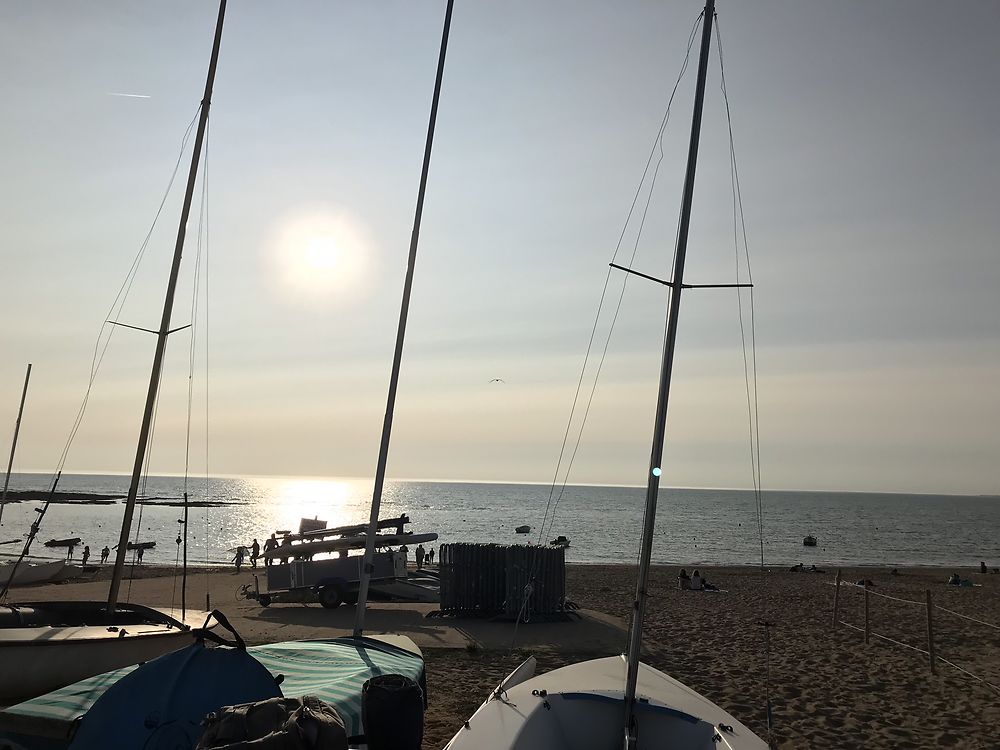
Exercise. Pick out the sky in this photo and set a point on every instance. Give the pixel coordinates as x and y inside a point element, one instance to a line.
<point>868,140</point>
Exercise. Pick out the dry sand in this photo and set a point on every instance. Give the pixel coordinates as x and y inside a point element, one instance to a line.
<point>828,689</point>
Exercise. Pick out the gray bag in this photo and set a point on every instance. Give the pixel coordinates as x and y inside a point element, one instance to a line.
<point>305,723</point>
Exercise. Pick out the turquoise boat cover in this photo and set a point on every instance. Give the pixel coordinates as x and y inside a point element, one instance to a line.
<point>333,670</point>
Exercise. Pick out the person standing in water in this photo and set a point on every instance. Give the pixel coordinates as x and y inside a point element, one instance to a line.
<point>254,553</point>
<point>105,554</point>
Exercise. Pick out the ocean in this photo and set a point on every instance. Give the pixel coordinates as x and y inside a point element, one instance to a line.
<point>694,526</point>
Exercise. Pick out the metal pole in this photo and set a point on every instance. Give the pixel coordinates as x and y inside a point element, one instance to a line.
<point>666,369</point>
<point>168,304</point>
<point>383,453</point>
<point>868,629</point>
<point>13,446</point>
<point>31,535</point>
<point>836,602</point>
<point>930,633</point>
<point>184,570</point>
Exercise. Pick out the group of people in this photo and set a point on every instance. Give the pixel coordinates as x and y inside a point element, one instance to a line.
<point>253,552</point>
<point>694,582</point>
<point>105,554</point>
<point>421,554</point>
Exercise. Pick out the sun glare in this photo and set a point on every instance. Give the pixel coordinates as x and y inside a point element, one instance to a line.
<point>321,255</point>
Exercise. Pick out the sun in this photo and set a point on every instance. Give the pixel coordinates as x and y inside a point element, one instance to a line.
<point>321,255</point>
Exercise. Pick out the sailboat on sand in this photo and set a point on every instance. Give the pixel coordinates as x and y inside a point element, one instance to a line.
<point>51,644</point>
<point>166,700</point>
<point>618,701</point>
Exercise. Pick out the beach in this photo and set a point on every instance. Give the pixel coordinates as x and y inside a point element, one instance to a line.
<point>827,688</point>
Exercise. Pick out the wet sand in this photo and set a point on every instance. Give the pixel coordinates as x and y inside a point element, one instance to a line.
<point>827,688</point>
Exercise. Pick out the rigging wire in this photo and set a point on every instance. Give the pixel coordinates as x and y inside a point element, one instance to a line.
<point>121,297</point>
<point>114,311</point>
<point>552,503</point>
<point>749,372</point>
<point>201,247</point>
<point>204,253</point>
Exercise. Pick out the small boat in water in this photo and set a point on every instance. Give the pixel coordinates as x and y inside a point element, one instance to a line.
<point>63,542</point>
<point>523,529</point>
<point>560,541</point>
<point>809,541</point>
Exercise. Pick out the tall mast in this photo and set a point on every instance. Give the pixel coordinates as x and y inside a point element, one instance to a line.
<point>13,445</point>
<point>383,453</point>
<point>666,369</point>
<point>168,304</point>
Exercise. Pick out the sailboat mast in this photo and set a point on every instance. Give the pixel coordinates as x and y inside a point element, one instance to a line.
<point>168,304</point>
<point>383,453</point>
<point>666,369</point>
<point>13,446</point>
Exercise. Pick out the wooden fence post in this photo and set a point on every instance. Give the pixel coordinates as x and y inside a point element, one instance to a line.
<point>930,633</point>
<point>836,601</point>
<point>868,629</point>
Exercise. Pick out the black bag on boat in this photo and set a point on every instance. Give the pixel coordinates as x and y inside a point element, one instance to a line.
<point>305,723</point>
<point>392,711</point>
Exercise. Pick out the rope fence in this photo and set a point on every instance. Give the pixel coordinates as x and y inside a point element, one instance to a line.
<point>928,606</point>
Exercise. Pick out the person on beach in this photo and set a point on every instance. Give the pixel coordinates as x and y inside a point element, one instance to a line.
<point>430,556</point>
<point>701,584</point>
<point>269,544</point>
<point>404,551</point>
<point>86,554</point>
<point>105,554</point>
<point>139,552</point>
<point>683,580</point>
<point>254,553</point>
<point>420,556</point>
<point>982,567</point>
<point>238,559</point>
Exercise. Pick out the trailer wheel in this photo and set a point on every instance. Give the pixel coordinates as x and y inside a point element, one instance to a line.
<point>265,600</point>
<point>329,597</point>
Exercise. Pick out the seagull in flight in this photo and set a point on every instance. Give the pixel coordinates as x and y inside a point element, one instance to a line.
<point>498,380</point>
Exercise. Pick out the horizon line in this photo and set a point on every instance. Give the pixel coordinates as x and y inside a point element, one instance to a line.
<point>320,477</point>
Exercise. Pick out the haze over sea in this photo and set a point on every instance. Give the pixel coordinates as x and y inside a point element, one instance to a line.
<point>694,526</point>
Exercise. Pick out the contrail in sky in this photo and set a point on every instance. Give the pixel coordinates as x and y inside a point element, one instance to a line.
<point>130,96</point>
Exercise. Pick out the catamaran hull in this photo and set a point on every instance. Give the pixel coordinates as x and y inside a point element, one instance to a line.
<point>27,575</point>
<point>50,645</point>
<point>40,666</point>
<point>582,707</point>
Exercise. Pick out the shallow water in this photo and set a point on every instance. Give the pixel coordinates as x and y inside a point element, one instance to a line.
<point>694,526</point>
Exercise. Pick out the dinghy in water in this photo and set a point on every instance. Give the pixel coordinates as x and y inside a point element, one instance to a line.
<point>582,706</point>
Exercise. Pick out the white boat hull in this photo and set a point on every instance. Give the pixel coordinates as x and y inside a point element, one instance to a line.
<point>39,659</point>
<point>28,574</point>
<point>582,707</point>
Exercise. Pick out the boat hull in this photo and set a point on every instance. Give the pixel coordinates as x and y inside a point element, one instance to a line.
<point>47,657</point>
<point>26,574</point>
<point>582,706</point>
